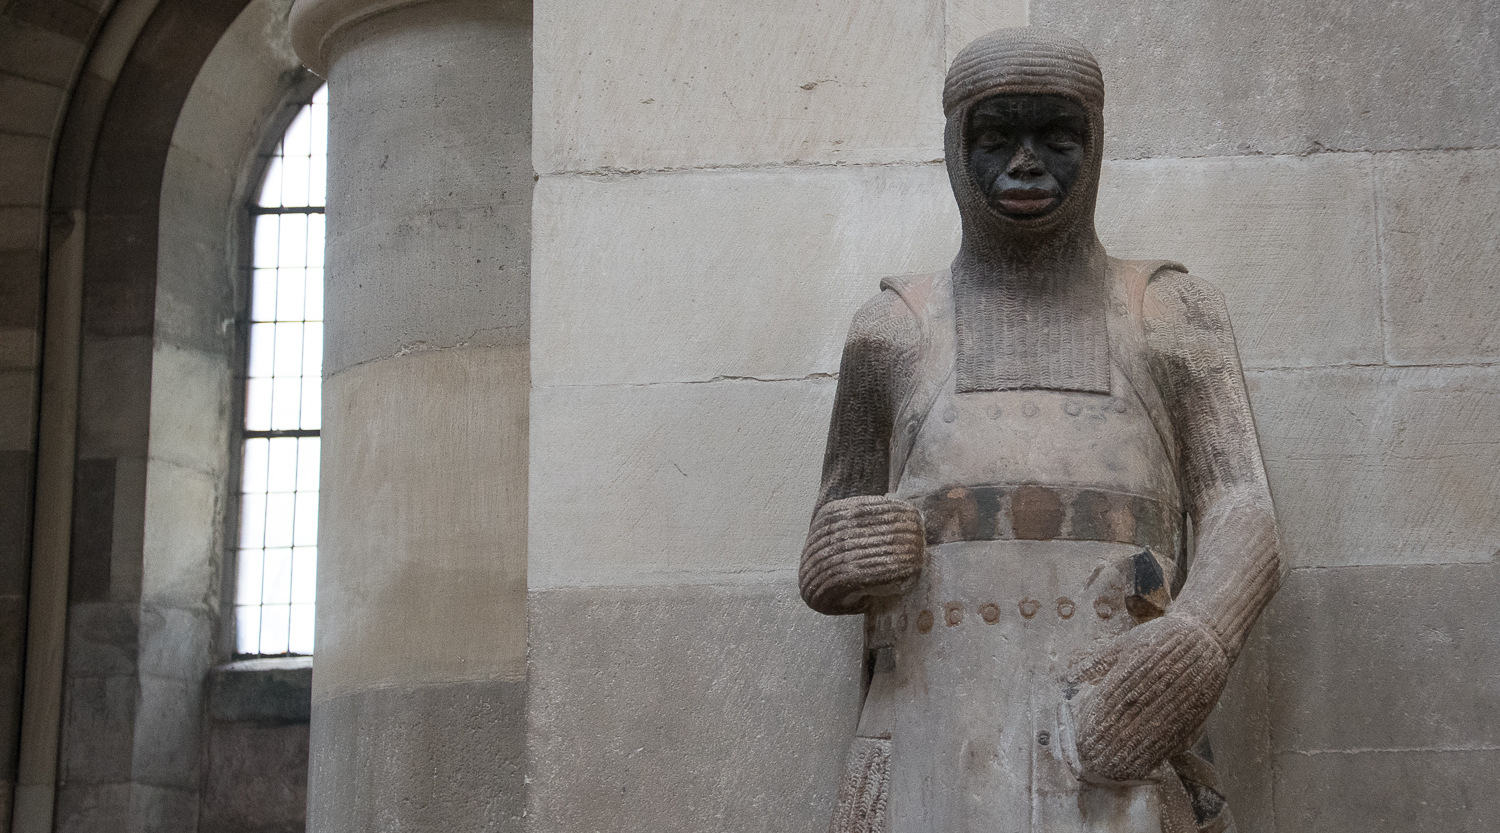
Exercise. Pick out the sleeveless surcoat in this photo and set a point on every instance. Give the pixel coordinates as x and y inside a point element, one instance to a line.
<point>1053,523</point>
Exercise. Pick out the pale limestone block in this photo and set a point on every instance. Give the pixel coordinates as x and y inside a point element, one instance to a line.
<point>1438,218</point>
<point>637,85</point>
<point>692,275</point>
<point>422,530</point>
<point>191,392</point>
<point>968,19</point>
<point>1386,658</point>
<point>1412,791</point>
<point>1188,78</point>
<point>1290,241</point>
<point>688,708</point>
<point>182,545</point>
<point>673,483</point>
<point>1382,465</point>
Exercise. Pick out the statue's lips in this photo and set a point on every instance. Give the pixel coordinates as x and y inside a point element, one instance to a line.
<point>1025,200</point>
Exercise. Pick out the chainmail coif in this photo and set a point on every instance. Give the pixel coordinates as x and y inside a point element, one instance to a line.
<point>1029,292</point>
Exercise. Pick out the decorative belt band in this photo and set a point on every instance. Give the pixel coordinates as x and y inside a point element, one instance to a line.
<point>1047,513</point>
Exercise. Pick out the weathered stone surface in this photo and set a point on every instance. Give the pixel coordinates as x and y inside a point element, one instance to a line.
<point>86,807</point>
<point>725,273</point>
<point>182,544</point>
<point>31,106</point>
<point>174,643</point>
<point>98,729</point>
<point>662,484</point>
<point>688,708</point>
<point>966,20</point>
<point>23,179</point>
<point>1438,215</point>
<point>34,53</point>
<point>851,81</point>
<point>429,207</point>
<point>191,393</point>
<point>195,287</point>
<point>264,691</point>
<point>1416,791</point>
<point>1240,734</point>
<point>1386,658</point>
<point>1382,466</point>
<point>17,418</point>
<point>420,568</point>
<point>255,779</point>
<point>1280,76</point>
<point>103,638</point>
<point>114,396</point>
<point>434,757</point>
<point>1290,241</point>
<point>167,745</point>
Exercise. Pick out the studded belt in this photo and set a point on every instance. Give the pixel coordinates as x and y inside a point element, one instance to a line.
<point>1048,513</point>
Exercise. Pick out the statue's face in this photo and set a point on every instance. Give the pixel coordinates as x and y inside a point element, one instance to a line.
<point>1025,151</point>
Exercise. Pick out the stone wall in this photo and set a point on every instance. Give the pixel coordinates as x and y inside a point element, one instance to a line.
<point>1333,168</point>
<point>721,187</point>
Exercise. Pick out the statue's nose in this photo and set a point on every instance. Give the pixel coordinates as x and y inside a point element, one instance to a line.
<point>1024,164</point>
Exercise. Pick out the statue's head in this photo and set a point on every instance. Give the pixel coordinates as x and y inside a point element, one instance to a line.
<point>1025,132</point>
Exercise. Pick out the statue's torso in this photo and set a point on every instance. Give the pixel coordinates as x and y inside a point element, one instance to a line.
<point>1053,523</point>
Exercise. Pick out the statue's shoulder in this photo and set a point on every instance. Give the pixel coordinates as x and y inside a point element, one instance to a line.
<point>897,312</point>
<point>1173,295</point>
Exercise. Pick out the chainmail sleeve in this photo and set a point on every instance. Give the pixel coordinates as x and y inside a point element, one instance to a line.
<point>879,356</point>
<point>862,543</point>
<point>1237,565</point>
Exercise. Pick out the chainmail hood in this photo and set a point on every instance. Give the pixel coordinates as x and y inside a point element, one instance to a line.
<point>1029,292</point>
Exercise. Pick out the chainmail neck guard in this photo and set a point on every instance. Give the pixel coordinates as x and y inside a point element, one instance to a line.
<point>1029,293</point>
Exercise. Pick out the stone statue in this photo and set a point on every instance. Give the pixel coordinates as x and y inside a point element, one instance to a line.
<point>1017,446</point>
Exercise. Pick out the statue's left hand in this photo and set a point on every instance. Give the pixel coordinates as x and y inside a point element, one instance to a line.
<point>1146,696</point>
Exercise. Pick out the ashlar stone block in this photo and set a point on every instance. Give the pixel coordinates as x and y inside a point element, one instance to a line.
<point>1382,465</point>
<point>1441,255</point>
<point>723,273</point>
<point>1384,659</point>
<point>966,20</point>
<point>676,483</point>
<point>1290,241</point>
<point>761,83</point>
<point>1186,78</point>
<point>688,708</point>
<point>1415,791</point>
<point>421,521</point>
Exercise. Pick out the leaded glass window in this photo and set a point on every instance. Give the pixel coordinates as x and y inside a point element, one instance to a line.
<point>276,577</point>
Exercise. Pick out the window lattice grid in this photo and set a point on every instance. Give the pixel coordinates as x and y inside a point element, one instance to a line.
<point>276,579</point>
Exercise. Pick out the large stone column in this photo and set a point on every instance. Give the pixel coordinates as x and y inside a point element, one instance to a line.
<point>419,671</point>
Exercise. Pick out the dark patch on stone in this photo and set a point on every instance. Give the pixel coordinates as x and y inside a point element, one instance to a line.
<point>93,530</point>
<point>1036,513</point>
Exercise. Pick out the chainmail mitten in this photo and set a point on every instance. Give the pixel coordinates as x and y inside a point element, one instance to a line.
<point>859,546</point>
<point>1153,689</point>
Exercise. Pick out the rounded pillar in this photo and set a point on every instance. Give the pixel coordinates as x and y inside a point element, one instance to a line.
<point>418,718</point>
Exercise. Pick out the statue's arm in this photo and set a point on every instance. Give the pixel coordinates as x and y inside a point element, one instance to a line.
<point>1152,689</point>
<point>1237,562</point>
<point>862,543</point>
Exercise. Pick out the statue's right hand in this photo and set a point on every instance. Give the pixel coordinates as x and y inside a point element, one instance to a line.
<point>858,547</point>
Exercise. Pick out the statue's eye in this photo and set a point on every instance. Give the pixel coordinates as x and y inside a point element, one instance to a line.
<point>1062,140</point>
<point>991,138</point>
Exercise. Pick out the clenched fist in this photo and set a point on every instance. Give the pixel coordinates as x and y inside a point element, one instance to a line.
<point>1146,697</point>
<point>859,547</point>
